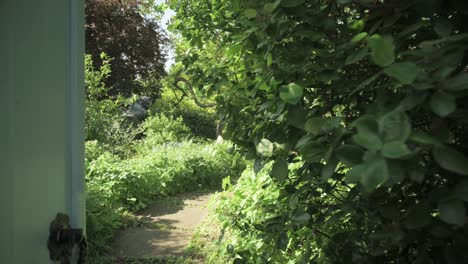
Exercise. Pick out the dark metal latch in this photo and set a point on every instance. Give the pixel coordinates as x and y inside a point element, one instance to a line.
<point>63,239</point>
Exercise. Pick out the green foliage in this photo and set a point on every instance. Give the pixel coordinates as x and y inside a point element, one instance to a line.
<point>201,121</point>
<point>160,129</point>
<point>130,165</point>
<point>116,185</point>
<point>130,34</point>
<point>367,99</point>
<point>104,120</point>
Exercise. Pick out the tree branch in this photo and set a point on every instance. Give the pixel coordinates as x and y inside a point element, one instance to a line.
<point>191,91</point>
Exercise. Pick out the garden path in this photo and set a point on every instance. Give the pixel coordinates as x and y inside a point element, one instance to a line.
<point>164,228</point>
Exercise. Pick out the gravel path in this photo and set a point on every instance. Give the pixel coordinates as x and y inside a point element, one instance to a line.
<point>166,229</point>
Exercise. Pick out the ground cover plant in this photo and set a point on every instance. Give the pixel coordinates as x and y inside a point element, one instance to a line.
<point>358,109</point>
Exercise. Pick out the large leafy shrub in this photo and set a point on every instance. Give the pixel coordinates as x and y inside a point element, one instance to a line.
<point>367,97</point>
<point>161,128</point>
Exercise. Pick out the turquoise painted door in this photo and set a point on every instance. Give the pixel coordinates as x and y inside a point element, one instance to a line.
<point>41,123</point>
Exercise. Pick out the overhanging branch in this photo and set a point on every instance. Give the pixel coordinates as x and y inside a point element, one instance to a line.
<point>191,91</point>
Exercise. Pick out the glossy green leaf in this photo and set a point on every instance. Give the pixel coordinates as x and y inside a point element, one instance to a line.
<point>375,173</point>
<point>230,248</point>
<point>395,126</point>
<point>452,212</point>
<point>291,93</point>
<point>405,72</point>
<point>301,218</point>
<point>270,7</point>
<point>458,83</point>
<point>355,174</point>
<point>312,151</point>
<point>279,170</point>
<point>296,116</point>
<point>442,104</point>
<point>368,140</point>
<point>359,37</point>
<point>293,202</point>
<point>357,56</point>
<point>250,13</point>
<point>349,154</point>
<point>382,50</point>
<point>269,59</point>
<point>413,100</point>
<point>424,138</point>
<point>328,170</point>
<point>395,150</point>
<point>314,125</point>
<point>367,135</point>
<point>451,159</point>
<point>265,148</point>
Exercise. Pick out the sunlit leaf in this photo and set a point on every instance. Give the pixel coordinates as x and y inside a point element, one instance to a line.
<point>291,93</point>
<point>359,37</point>
<point>301,218</point>
<point>250,13</point>
<point>265,148</point>
<point>270,7</point>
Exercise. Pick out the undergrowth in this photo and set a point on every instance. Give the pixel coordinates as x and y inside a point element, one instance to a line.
<point>130,164</point>
<point>116,185</point>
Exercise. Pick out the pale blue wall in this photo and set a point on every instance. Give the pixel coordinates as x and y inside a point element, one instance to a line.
<point>41,123</point>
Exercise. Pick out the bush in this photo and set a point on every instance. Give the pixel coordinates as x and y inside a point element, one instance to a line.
<point>161,128</point>
<point>262,223</point>
<point>201,121</point>
<point>104,119</point>
<point>368,97</point>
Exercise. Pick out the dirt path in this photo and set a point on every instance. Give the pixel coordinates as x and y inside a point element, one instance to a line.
<point>166,227</point>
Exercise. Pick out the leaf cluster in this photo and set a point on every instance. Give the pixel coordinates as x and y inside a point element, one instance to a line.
<point>366,98</point>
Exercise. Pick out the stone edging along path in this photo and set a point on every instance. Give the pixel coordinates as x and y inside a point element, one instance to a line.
<point>167,227</point>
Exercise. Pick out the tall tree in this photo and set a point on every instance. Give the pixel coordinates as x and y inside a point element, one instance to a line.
<point>134,41</point>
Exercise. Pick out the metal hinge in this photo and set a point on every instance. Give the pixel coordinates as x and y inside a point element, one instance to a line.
<point>63,239</point>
